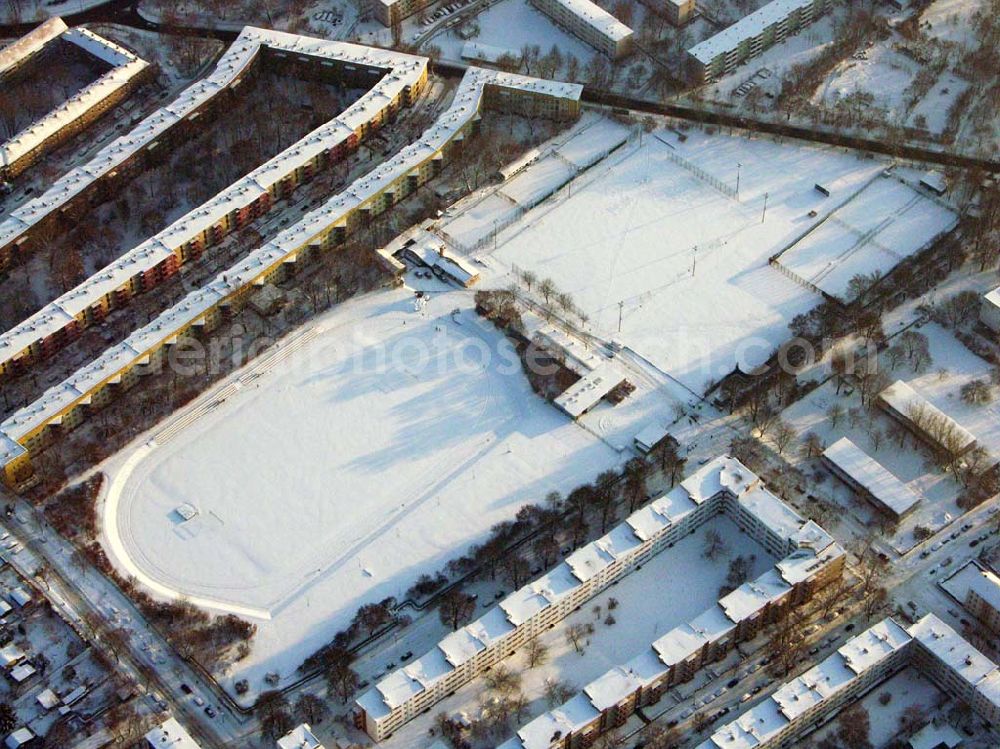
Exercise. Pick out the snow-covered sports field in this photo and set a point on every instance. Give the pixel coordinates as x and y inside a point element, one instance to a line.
<point>379,450</point>
<point>887,221</point>
<point>657,236</point>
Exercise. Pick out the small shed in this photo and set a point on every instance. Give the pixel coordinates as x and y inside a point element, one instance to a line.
<point>19,738</point>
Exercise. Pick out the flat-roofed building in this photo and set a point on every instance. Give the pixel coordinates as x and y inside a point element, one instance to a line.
<point>982,596</point>
<point>960,670</point>
<point>300,737</point>
<point>122,72</point>
<point>589,390</point>
<point>869,478</point>
<point>724,486</point>
<point>64,406</point>
<point>388,12</point>
<point>751,35</point>
<point>989,310</point>
<point>798,706</point>
<point>591,23</point>
<point>678,12</point>
<point>925,420</point>
<point>170,735</point>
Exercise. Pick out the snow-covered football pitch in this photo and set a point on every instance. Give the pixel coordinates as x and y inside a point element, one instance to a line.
<point>377,451</point>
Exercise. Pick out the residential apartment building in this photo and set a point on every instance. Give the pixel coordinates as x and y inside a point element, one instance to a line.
<point>751,35</point>
<point>170,735</point>
<point>982,598</point>
<point>124,72</point>
<point>300,737</point>
<point>810,559</point>
<point>591,23</point>
<point>16,55</point>
<point>395,80</point>
<point>678,12</point>
<point>864,662</point>
<point>388,12</point>
<point>66,405</point>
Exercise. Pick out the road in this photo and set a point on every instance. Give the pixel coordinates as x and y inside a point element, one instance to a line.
<point>84,595</point>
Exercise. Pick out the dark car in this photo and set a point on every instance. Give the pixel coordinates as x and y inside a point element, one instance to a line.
<point>210,711</point>
<point>186,689</point>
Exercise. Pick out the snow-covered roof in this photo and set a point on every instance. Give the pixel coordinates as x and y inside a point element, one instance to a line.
<point>650,435</point>
<point>612,687</point>
<point>685,640</point>
<point>47,699</point>
<point>935,736</point>
<point>11,654</point>
<point>528,600</point>
<point>591,558</point>
<point>823,681</point>
<point>877,642</point>
<point>778,517</point>
<point>752,597</point>
<point>22,672</point>
<point>588,391</point>
<point>956,654</point>
<point>20,737</point>
<point>124,67</point>
<point>652,520</point>
<point>982,582</point>
<point>433,252</point>
<point>871,476</point>
<point>993,297</point>
<point>402,70</point>
<point>170,735</point>
<point>464,108</point>
<point>722,473</point>
<point>754,728</point>
<point>905,401</point>
<point>802,563</point>
<point>15,52</point>
<point>597,18</point>
<point>746,28</point>
<point>567,718</point>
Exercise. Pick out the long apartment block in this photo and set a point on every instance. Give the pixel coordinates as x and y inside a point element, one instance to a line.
<point>751,35</point>
<point>66,405</point>
<point>860,665</point>
<point>810,559</point>
<point>398,79</point>
<point>591,23</point>
<point>125,72</point>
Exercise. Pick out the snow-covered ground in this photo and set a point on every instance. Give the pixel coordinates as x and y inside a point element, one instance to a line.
<point>938,491</point>
<point>512,24</point>
<point>674,587</point>
<point>907,689</point>
<point>880,71</point>
<point>777,61</point>
<point>950,20</point>
<point>379,451</point>
<point>654,237</point>
<point>954,365</point>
